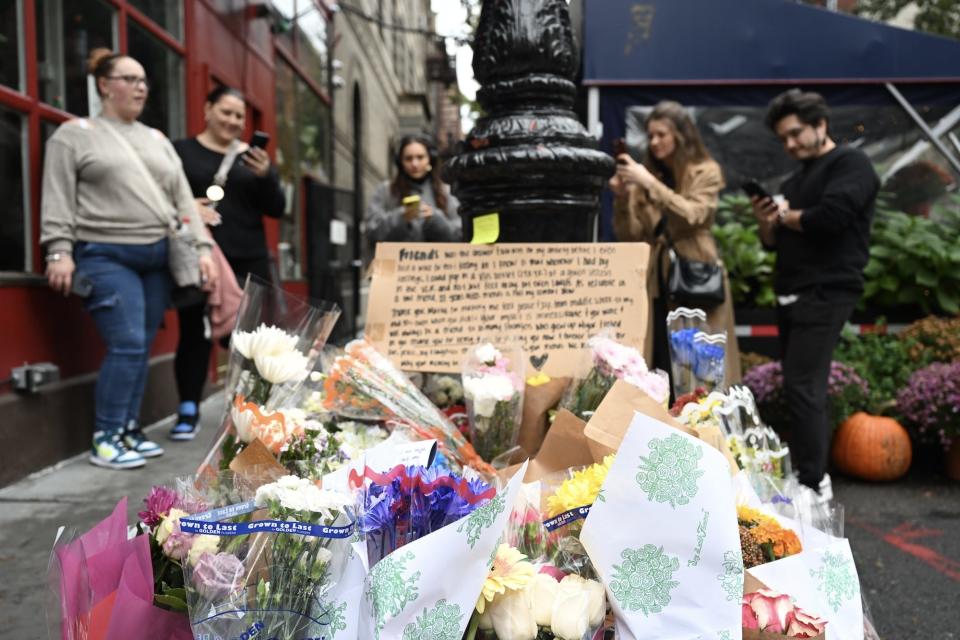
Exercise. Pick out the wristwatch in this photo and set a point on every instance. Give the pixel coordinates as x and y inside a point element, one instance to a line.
<point>56,256</point>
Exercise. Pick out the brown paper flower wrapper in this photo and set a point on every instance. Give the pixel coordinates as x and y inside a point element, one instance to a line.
<point>257,466</point>
<point>537,402</point>
<point>563,447</point>
<point>610,422</point>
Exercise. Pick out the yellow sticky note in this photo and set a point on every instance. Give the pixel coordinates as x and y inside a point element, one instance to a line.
<point>486,229</point>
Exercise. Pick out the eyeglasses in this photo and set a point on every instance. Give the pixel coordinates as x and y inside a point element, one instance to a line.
<point>132,80</point>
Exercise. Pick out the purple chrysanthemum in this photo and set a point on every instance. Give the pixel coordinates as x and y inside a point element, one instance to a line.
<point>158,504</point>
<point>930,403</point>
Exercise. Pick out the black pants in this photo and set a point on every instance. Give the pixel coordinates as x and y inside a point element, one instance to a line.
<point>193,350</point>
<point>809,331</point>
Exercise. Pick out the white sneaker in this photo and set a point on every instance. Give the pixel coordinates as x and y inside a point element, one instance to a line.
<point>110,452</point>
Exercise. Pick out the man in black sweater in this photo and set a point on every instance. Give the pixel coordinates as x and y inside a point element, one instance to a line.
<point>821,233</point>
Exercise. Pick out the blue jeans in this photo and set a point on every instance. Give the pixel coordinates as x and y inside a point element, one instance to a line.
<point>131,287</point>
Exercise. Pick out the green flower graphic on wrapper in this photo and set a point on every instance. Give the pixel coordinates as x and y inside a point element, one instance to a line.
<point>482,518</point>
<point>731,580</point>
<point>724,635</point>
<point>440,623</point>
<point>836,579</point>
<point>389,591</point>
<point>645,579</point>
<point>671,472</point>
<point>336,618</point>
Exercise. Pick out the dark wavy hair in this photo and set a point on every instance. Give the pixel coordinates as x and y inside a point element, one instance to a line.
<point>223,90</point>
<point>402,185</point>
<point>809,107</point>
<point>689,145</point>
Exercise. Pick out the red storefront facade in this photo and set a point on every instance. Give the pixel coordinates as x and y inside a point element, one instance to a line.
<point>274,52</point>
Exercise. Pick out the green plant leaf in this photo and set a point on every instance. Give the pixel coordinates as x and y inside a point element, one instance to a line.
<point>926,278</point>
<point>170,602</point>
<point>947,301</point>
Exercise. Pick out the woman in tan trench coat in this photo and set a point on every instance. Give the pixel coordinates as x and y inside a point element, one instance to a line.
<point>675,190</point>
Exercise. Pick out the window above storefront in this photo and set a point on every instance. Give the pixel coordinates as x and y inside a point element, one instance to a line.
<point>166,13</point>
<point>11,47</point>
<point>67,30</point>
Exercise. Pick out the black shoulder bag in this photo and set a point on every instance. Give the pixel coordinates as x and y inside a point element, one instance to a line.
<point>692,283</point>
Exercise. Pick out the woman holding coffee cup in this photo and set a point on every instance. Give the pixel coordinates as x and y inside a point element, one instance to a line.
<point>416,206</point>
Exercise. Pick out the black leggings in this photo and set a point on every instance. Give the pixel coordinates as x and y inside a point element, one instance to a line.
<point>193,350</point>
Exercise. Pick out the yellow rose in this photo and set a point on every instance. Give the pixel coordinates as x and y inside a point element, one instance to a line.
<point>168,525</point>
<point>202,545</point>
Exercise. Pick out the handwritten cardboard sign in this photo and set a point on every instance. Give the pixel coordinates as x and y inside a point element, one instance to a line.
<point>429,303</point>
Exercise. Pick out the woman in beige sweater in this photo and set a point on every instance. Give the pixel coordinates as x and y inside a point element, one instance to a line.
<point>674,193</point>
<point>104,227</point>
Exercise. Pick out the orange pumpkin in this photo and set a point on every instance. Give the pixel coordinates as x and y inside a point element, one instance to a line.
<point>872,448</point>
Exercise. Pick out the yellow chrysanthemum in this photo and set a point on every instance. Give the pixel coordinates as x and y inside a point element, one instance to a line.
<point>746,515</point>
<point>580,489</point>
<point>510,570</point>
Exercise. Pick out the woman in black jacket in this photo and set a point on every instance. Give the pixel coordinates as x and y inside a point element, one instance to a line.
<point>252,190</point>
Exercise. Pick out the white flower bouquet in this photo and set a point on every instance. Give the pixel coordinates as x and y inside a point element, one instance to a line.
<point>493,388</point>
<point>273,349</point>
<point>279,574</point>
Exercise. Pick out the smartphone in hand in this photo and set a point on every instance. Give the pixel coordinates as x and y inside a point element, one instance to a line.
<point>619,148</point>
<point>753,189</point>
<point>260,139</point>
<point>81,285</point>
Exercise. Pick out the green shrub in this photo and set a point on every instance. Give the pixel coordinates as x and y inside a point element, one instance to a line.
<point>913,261</point>
<point>882,361</point>
<point>749,265</point>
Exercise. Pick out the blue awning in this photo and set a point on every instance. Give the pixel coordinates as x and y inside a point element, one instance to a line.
<point>718,42</point>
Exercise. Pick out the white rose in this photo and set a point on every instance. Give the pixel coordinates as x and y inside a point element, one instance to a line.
<point>168,525</point>
<point>512,616</point>
<point>488,354</point>
<point>485,623</point>
<point>283,367</point>
<point>485,391</point>
<point>320,561</point>
<point>243,422</point>
<point>543,591</point>
<point>597,602</point>
<point>571,614</point>
<point>202,545</point>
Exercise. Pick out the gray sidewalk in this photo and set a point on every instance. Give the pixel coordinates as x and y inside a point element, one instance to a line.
<point>77,494</point>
